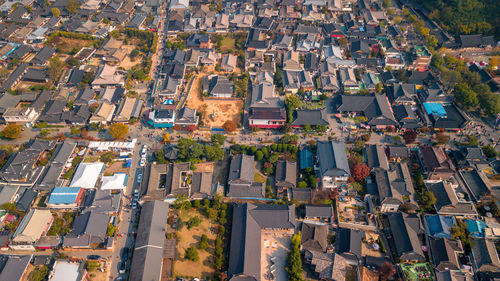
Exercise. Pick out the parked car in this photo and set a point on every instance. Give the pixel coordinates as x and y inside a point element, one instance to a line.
<point>142,163</point>
<point>122,268</point>
<point>94,257</point>
<point>126,251</point>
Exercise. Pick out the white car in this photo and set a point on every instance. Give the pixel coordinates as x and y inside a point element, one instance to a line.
<point>143,162</point>
<point>139,178</point>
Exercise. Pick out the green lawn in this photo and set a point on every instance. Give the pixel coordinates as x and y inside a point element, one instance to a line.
<point>418,272</point>
<point>259,177</point>
<point>227,43</point>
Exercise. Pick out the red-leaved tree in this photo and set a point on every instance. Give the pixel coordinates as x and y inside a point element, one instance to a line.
<point>386,271</point>
<point>360,171</point>
<point>410,136</point>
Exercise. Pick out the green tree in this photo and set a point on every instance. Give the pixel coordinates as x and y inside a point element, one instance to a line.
<point>380,87</point>
<point>259,155</point>
<point>12,131</point>
<point>472,140</point>
<point>191,254</point>
<point>387,3</point>
<point>181,203</point>
<point>426,199</point>
<point>108,157</point>
<point>118,130</point>
<point>55,67</point>
<point>489,102</point>
<point>278,77</point>
<point>294,262</point>
<point>203,242</point>
<point>460,231</point>
<point>111,230</point>
<point>74,131</point>
<point>465,96</point>
<point>302,184</point>
<point>39,274</point>
<point>218,139</point>
<point>291,103</point>
<point>213,152</point>
<point>193,222</point>
<point>489,151</point>
<point>72,6</point>
<point>55,12</point>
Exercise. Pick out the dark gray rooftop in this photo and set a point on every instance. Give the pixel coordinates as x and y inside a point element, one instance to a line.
<point>405,229</point>
<point>248,221</point>
<point>13,267</point>
<point>148,253</point>
<point>332,159</point>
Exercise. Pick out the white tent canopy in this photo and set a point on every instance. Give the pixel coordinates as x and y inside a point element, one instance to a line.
<point>116,181</point>
<point>87,174</point>
<point>115,145</point>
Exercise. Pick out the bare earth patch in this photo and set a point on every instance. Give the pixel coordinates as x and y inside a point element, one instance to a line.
<point>68,44</point>
<point>202,268</point>
<point>116,167</point>
<point>216,111</point>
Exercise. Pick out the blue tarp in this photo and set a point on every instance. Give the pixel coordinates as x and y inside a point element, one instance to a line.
<point>305,158</point>
<point>439,226</point>
<point>476,228</point>
<point>433,108</point>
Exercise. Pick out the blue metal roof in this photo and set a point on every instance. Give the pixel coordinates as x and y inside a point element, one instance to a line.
<point>63,195</point>
<point>305,158</point>
<point>434,108</point>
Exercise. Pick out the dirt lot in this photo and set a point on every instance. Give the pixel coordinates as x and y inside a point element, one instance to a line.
<point>116,167</point>
<point>204,167</point>
<point>190,238</point>
<point>67,44</point>
<point>127,63</point>
<point>222,110</point>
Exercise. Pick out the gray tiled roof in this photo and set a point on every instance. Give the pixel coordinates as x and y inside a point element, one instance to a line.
<point>248,221</point>
<point>13,267</point>
<point>56,165</point>
<point>444,253</point>
<point>310,117</point>
<point>485,255</point>
<point>88,228</point>
<point>349,241</point>
<point>375,107</point>
<point>242,169</point>
<point>286,174</point>
<point>448,203</point>
<point>376,157</point>
<point>405,229</point>
<point>43,56</point>
<point>314,237</point>
<point>21,166</point>
<point>319,211</point>
<point>332,159</point>
<point>148,254</point>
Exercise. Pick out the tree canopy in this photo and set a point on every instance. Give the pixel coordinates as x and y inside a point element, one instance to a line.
<point>466,16</point>
<point>56,13</point>
<point>118,130</point>
<point>229,126</point>
<point>12,131</point>
<point>294,262</point>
